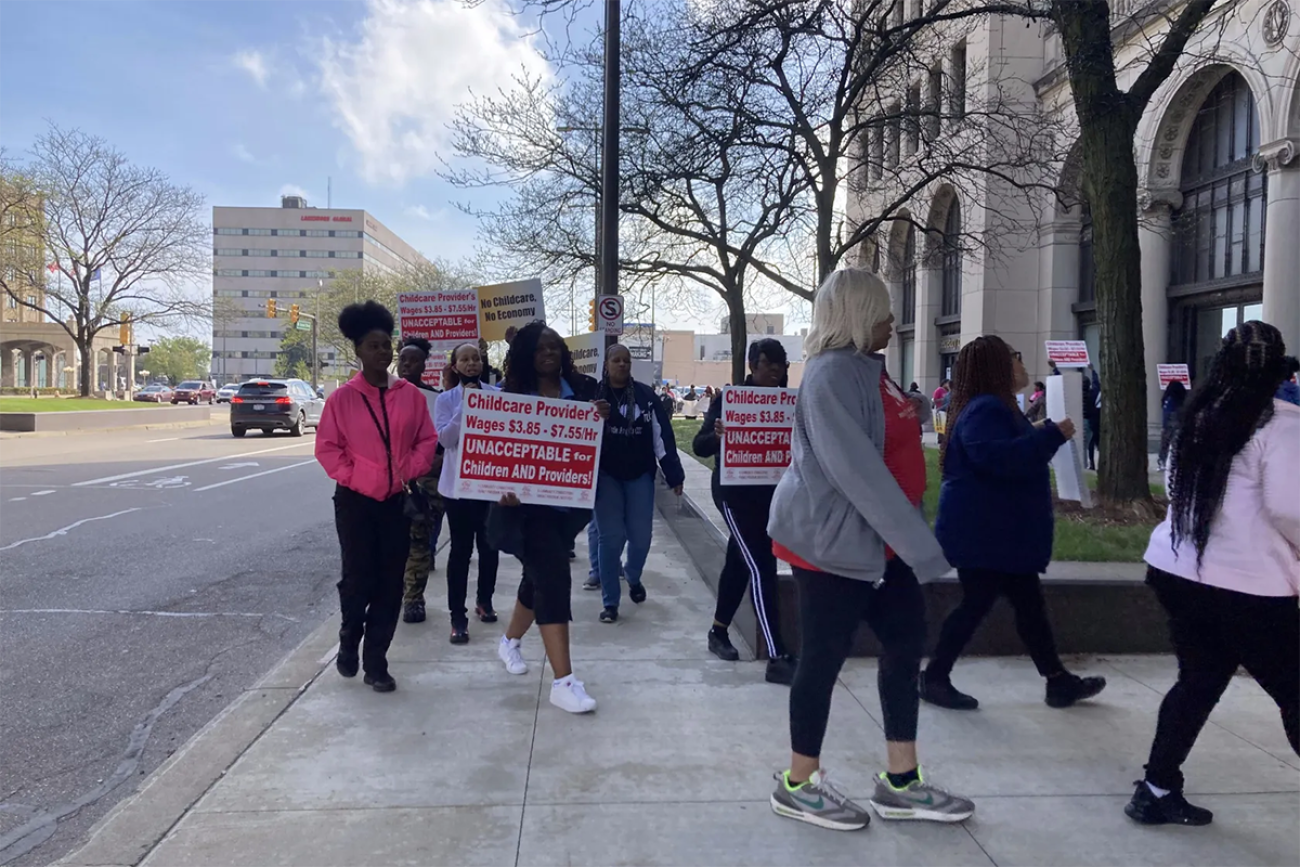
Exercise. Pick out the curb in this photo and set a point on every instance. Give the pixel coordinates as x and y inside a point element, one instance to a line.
<point>176,425</point>
<point>136,824</point>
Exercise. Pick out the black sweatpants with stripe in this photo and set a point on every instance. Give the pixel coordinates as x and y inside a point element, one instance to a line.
<point>750,564</point>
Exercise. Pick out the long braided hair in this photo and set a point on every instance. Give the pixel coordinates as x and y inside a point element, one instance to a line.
<point>623,399</point>
<point>1232,402</point>
<point>984,366</point>
<point>521,371</point>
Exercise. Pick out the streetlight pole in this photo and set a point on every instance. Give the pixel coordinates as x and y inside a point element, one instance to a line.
<point>609,199</point>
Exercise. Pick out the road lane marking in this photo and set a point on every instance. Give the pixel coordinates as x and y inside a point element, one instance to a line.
<point>144,613</point>
<point>186,464</point>
<point>254,475</point>
<point>164,440</point>
<point>41,493</point>
<point>63,531</point>
<point>16,499</point>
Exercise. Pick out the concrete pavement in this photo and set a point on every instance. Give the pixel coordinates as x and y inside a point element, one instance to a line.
<point>466,764</point>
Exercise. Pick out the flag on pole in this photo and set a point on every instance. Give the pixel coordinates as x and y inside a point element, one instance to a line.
<point>95,276</point>
<point>52,267</point>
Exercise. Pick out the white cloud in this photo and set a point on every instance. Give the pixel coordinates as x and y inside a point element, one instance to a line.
<point>243,153</point>
<point>396,85</point>
<point>420,212</point>
<point>254,63</point>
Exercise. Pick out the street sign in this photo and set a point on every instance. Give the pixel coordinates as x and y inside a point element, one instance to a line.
<point>609,311</point>
<point>303,325</point>
<point>1068,353</point>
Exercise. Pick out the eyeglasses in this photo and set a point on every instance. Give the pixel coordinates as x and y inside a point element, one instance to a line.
<point>1017,356</point>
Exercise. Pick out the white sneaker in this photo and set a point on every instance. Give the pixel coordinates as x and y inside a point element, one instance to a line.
<point>508,650</point>
<point>568,694</point>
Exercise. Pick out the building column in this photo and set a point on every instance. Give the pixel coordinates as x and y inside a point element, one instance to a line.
<point>1282,239</point>
<point>929,290</point>
<point>29,376</point>
<point>894,352</point>
<point>1155,239</point>
<point>7,369</point>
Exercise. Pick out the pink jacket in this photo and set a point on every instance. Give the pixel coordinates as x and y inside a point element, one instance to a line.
<point>349,445</point>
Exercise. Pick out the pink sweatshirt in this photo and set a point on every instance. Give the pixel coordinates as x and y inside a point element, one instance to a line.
<point>349,445</point>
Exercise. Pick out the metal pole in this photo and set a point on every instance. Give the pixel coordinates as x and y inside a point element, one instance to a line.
<point>315,355</point>
<point>609,198</point>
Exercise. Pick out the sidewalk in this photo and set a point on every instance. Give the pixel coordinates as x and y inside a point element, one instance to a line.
<point>468,765</point>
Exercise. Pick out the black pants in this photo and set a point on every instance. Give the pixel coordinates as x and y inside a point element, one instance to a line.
<point>980,589</point>
<point>547,585</point>
<point>1213,631</point>
<point>830,608</point>
<point>750,563</point>
<point>467,520</point>
<point>1093,431</point>
<point>374,538</point>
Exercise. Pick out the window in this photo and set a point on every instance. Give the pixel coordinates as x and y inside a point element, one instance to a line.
<point>877,150</point>
<point>318,274</point>
<point>344,254</point>
<point>909,277</point>
<point>893,134</point>
<point>229,272</point>
<point>771,329</point>
<point>227,251</point>
<point>252,273</point>
<point>317,233</point>
<point>345,233</point>
<point>257,231</point>
<point>957,82</point>
<point>317,254</point>
<point>896,14</point>
<point>288,233</point>
<point>912,123</point>
<point>230,231</point>
<point>1219,231</point>
<point>12,301</point>
<point>1087,268</point>
<point>951,305</point>
<point>934,102</point>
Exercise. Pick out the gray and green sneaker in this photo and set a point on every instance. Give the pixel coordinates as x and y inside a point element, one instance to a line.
<point>818,803</point>
<point>919,800</point>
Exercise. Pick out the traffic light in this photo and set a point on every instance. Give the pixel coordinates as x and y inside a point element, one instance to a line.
<point>142,350</point>
<point>591,316</point>
<point>124,330</point>
<point>270,308</point>
<point>120,350</point>
<point>293,314</point>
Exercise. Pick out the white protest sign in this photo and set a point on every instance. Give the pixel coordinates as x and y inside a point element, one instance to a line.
<point>1067,353</point>
<point>445,319</point>
<point>543,450</point>
<point>1173,373</point>
<point>1065,400</point>
<point>756,439</point>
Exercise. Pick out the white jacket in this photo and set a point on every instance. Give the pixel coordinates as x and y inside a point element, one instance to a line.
<point>1254,542</point>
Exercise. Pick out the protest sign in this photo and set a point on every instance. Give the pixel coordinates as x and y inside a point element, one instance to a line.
<point>543,450</point>
<point>588,351</point>
<point>1067,353</point>
<point>1065,400</point>
<point>503,306</point>
<point>1173,373</point>
<point>445,319</point>
<point>756,440</point>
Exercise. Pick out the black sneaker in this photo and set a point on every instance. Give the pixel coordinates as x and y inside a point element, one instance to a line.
<point>781,669</point>
<point>381,682</point>
<point>720,646</point>
<point>609,615</point>
<point>940,692</point>
<point>592,583</point>
<point>348,662</point>
<point>1066,689</point>
<point>636,593</point>
<point>1172,809</point>
<point>459,633</point>
<point>485,613</point>
<point>413,612</point>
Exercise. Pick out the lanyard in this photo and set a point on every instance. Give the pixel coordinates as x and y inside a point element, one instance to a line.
<point>383,431</point>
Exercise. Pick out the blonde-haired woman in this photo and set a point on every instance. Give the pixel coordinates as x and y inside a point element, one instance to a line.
<point>846,516</point>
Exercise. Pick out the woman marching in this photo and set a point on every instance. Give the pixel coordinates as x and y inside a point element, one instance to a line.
<point>847,518</point>
<point>637,435</point>
<point>539,364</point>
<point>467,519</point>
<point>375,436</point>
<point>750,562</point>
<point>995,519</point>
<point>411,362</point>
<point>1225,562</point>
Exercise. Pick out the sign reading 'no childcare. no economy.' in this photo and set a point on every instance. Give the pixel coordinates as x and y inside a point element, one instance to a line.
<point>756,438</point>
<point>503,306</point>
<point>542,450</point>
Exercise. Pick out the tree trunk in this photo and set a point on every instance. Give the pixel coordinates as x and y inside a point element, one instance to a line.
<point>85,347</point>
<point>739,338</point>
<point>1112,194</point>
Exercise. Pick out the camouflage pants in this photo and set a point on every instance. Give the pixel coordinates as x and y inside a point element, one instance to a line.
<point>420,560</point>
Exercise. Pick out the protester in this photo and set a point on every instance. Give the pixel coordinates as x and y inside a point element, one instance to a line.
<point>924,415</point>
<point>540,364</point>
<point>1171,406</point>
<point>1224,561</point>
<point>637,435</point>
<point>706,400</point>
<point>411,363</point>
<point>750,561</point>
<point>668,401</point>
<point>940,395</point>
<point>995,520</point>
<point>1092,415</point>
<point>467,519</point>
<point>691,403</point>
<point>375,435</point>
<point>491,375</point>
<point>1037,409</point>
<point>847,518</point>
<point>1289,390</point>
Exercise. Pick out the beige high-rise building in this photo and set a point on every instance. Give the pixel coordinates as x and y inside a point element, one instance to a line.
<point>250,247</point>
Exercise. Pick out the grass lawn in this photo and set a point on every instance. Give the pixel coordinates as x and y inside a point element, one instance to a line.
<point>60,404</point>
<point>1082,536</point>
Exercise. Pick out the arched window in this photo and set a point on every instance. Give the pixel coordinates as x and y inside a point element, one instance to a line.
<point>952,261</point>
<point>908,313</point>
<point>1219,231</point>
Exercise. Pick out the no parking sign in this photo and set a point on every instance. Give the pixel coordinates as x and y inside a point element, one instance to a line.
<point>609,310</point>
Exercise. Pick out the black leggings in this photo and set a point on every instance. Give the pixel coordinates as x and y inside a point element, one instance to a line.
<point>980,589</point>
<point>374,539</point>
<point>750,563</point>
<point>1213,631</point>
<point>468,522</point>
<point>547,583</point>
<point>830,609</point>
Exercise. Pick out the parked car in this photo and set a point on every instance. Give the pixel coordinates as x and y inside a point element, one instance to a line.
<point>275,404</point>
<point>227,391</point>
<point>194,391</point>
<point>154,394</point>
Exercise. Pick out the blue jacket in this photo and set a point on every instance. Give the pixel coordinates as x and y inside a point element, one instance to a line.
<point>995,505</point>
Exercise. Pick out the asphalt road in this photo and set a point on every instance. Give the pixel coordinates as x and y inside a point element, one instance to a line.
<point>146,578</point>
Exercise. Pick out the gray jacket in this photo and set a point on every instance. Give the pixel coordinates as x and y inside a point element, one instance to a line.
<point>837,506</point>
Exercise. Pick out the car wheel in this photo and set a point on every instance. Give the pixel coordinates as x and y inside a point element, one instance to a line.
<point>238,431</point>
<point>298,424</point>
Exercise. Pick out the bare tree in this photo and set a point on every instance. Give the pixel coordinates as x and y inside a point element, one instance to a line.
<point>126,240</point>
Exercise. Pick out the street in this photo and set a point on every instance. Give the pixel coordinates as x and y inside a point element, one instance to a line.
<point>146,578</point>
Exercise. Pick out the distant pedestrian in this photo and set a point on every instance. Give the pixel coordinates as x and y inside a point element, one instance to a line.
<point>924,415</point>
<point>466,519</point>
<point>375,435</point>
<point>411,363</point>
<point>540,364</point>
<point>491,375</point>
<point>1091,418</point>
<point>1171,406</point>
<point>1224,562</point>
<point>706,400</point>
<point>1289,390</point>
<point>995,520</point>
<point>1037,409</point>
<point>668,401</point>
<point>691,403</point>
<point>846,517</point>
